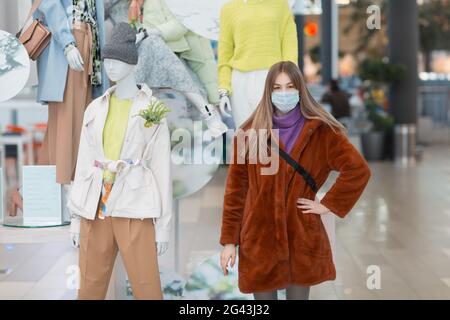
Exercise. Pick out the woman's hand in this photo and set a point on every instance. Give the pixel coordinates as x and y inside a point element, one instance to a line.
<point>309,206</point>
<point>228,253</point>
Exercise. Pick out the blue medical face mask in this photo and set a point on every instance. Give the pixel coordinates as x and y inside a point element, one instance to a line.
<point>285,101</point>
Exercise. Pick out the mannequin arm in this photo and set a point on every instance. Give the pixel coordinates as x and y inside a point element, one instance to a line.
<point>289,42</point>
<point>83,161</point>
<point>57,21</point>
<point>160,164</point>
<point>84,158</point>
<point>225,52</point>
<point>172,29</point>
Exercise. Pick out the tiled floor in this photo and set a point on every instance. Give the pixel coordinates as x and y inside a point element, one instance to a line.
<point>401,225</point>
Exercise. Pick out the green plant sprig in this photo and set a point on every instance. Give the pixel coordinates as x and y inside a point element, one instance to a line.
<point>154,113</point>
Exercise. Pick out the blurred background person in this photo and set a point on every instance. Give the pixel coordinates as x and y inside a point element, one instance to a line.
<point>338,100</point>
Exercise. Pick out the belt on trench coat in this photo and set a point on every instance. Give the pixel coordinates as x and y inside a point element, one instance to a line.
<point>116,166</point>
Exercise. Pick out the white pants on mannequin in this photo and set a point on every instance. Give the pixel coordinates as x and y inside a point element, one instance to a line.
<point>248,89</point>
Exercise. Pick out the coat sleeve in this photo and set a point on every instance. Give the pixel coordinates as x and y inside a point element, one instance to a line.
<point>57,21</point>
<point>160,163</point>
<point>289,43</point>
<point>225,51</point>
<point>84,158</point>
<point>354,174</point>
<point>172,29</point>
<point>234,200</point>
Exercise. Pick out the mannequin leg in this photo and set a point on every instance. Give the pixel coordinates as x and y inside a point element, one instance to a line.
<point>64,200</point>
<point>212,119</point>
<point>137,246</point>
<point>207,73</point>
<point>296,292</point>
<point>198,101</point>
<point>46,152</point>
<point>269,295</point>
<point>247,91</point>
<point>98,252</point>
<point>240,106</point>
<point>256,89</point>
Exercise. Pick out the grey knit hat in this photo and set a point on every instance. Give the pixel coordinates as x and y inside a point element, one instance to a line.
<point>122,45</point>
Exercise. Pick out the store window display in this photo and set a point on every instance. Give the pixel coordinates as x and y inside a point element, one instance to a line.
<point>254,35</point>
<point>70,74</point>
<point>273,218</point>
<point>125,162</point>
<point>187,59</point>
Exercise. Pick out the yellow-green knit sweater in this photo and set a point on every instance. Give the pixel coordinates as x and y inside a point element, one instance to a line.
<point>254,35</point>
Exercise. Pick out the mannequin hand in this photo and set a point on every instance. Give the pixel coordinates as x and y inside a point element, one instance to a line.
<point>74,58</point>
<point>75,231</point>
<point>228,253</point>
<point>16,202</point>
<point>161,247</point>
<point>141,35</point>
<point>309,206</point>
<point>225,106</point>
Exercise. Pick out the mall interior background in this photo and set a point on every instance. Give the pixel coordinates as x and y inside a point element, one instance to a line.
<point>401,225</point>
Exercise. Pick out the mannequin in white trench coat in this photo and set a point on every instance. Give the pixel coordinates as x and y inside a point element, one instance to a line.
<point>139,207</point>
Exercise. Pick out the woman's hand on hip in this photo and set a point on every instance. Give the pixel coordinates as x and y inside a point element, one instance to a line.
<point>228,253</point>
<point>309,206</point>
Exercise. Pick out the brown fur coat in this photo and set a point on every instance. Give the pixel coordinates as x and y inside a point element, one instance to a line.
<point>278,244</point>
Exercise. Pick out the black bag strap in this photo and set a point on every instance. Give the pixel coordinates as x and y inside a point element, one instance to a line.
<point>297,167</point>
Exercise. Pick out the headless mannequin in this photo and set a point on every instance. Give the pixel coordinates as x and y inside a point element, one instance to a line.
<point>126,88</point>
<point>225,103</point>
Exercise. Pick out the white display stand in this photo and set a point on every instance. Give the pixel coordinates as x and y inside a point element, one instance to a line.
<point>42,196</point>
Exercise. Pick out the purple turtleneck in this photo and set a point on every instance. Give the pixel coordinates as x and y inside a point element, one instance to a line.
<point>289,125</point>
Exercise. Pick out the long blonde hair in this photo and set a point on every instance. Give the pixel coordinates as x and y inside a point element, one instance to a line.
<point>261,118</point>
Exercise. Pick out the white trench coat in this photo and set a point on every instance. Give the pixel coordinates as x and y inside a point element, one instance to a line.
<point>140,191</point>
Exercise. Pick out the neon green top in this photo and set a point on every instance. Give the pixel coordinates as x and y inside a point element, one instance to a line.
<point>114,131</point>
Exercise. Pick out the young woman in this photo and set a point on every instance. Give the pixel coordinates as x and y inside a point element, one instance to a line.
<point>273,218</point>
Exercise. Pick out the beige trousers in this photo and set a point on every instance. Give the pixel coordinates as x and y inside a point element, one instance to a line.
<point>62,138</point>
<point>100,240</point>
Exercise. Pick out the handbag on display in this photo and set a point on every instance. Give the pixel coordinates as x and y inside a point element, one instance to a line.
<point>36,37</point>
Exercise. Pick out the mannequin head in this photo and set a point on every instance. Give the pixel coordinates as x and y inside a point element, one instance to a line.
<point>117,70</point>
